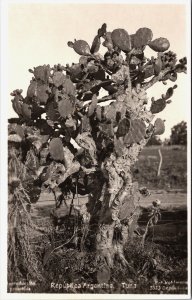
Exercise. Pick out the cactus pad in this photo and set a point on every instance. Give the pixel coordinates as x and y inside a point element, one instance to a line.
<point>95,45</point>
<point>52,112</point>
<point>148,71</point>
<point>102,31</point>
<point>65,107</point>
<point>26,111</point>
<point>15,128</point>
<point>85,124</point>
<point>107,129</point>
<point>69,87</point>
<point>123,127</point>
<point>108,43</point>
<point>56,149</point>
<point>110,112</point>
<point>169,92</point>
<point>17,106</point>
<point>136,132</point>
<point>99,113</point>
<point>92,106</point>
<point>42,93</point>
<point>32,89</point>
<point>42,73</point>
<point>119,146</point>
<point>58,78</point>
<point>159,127</point>
<point>158,66</point>
<point>81,47</point>
<point>142,37</point>
<point>121,39</point>
<point>159,45</point>
<point>158,105</point>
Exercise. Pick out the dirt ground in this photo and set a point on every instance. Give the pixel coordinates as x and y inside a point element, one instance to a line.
<point>174,199</point>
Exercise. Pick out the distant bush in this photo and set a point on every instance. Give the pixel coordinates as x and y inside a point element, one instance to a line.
<point>179,134</point>
<point>154,140</point>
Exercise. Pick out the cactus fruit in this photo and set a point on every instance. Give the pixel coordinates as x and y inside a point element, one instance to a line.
<point>56,149</point>
<point>142,37</point>
<point>81,47</point>
<point>158,105</point>
<point>159,45</point>
<point>123,127</point>
<point>65,107</point>
<point>159,127</point>
<point>136,132</point>
<point>121,39</point>
<point>58,78</point>
<point>95,45</point>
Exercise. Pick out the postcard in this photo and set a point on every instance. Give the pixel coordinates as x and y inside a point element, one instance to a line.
<point>95,150</point>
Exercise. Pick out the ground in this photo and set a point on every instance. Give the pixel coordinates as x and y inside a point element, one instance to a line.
<point>161,267</point>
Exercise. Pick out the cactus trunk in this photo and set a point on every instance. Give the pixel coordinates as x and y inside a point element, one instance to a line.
<point>118,212</point>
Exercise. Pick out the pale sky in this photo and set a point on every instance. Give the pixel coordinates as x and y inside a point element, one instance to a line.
<point>38,34</point>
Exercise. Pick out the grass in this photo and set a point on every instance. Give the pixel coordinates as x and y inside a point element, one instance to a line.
<point>173,171</point>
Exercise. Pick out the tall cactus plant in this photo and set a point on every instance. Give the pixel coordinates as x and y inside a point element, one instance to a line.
<point>76,143</point>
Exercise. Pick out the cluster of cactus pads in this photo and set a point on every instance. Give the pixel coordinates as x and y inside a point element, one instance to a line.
<point>72,139</point>
<point>69,95</point>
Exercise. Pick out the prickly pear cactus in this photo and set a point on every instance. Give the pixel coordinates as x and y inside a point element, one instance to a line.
<point>73,140</point>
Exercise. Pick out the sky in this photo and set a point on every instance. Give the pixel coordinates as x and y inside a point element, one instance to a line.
<point>38,34</point>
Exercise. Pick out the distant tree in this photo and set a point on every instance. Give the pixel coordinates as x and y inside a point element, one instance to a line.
<point>167,142</point>
<point>154,140</point>
<point>179,134</point>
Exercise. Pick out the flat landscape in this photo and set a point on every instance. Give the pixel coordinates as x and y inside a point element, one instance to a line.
<point>173,172</point>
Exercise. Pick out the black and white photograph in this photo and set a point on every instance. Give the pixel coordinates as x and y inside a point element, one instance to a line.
<point>95,150</point>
